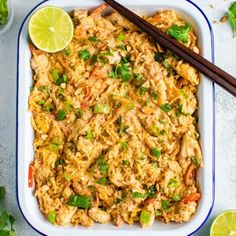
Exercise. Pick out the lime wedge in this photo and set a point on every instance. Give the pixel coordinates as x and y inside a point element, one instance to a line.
<point>51,29</point>
<point>224,224</point>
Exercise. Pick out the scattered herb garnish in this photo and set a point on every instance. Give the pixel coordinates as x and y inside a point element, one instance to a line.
<point>124,145</point>
<point>79,113</point>
<point>166,107</point>
<point>120,37</point>
<point>152,191</point>
<point>67,177</point>
<point>121,71</point>
<point>142,90</point>
<point>138,195</point>
<point>125,162</point>
<point>52,216</point>
<point>168,67</point>
<point>165,204</point>
<point>80,201</point>
<point>159,57</point>
<point>158,212</point>
<point>172,183</point>
<point>122,47</point>
<point>179,32</point>
<point>102,165</point>
<point>232,17</point>
<point>124,72</point>
<point>67,52</point>
<point>138,79</point>
<point>154,96</point>
<point>145,217</point>
<point>48,107</point>
<point>54,146</point>
<point>41,102</point>
<point>155,152</point>
<point>6,220</point>
<point>101,108</point>
<point>196,161</point>
<point>61,115</point>
<point>3,12</point>
<point>176,197</point>
<point>84,54</point>
<point>59,162</point>
<point>123,129</point>
<point>93,39</point>
<point>59,79</point>
<point>125,60</point>
<point>103,181</point>
<point>89,135</point>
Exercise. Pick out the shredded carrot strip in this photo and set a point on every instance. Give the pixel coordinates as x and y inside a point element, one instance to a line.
<point>191,198</point>
<point>31,176</point>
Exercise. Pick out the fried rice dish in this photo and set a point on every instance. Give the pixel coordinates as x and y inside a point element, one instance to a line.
<point>115,122</point>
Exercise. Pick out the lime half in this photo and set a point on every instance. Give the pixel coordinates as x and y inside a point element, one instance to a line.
<point>224,224</point>
<point>51,29</point>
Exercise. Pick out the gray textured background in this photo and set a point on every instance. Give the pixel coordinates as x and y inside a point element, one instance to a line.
<point>225,49</point>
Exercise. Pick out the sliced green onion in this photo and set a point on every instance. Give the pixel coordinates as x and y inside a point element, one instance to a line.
<point>165,204</point>
<point>48,107</point>
<point>142,90</point>
<point>61,115</point>
<point>54,146</point>
<point>79,113</point>
<point>166,107</point>
<point>159,57</point>
<point>138,195</point>
<point>145,217</point>
<point>154,96</point>
<point>93,39</point>
<point>102,108</point>
<point>155,152</point>
<point>89,135</point>
<point>67,52</point>
<point>55,74</point>
<point>176,197</point>
<point>102,181</point>
<point>158,212</point>
<point>123,129</point>
<point>125,162</point>
<point>41,102</point>
<point>80,201</point>
<point>138,79</point>
<point>152,191</point>
<point>196,161</point>
<point>52,216</point>
<point>84,54</point>
<point>59,162</point>
<point>120,37</point>
<point>124,145</point>
<point>67,177</point>
<point>122,47</point>
<point>172,183</point>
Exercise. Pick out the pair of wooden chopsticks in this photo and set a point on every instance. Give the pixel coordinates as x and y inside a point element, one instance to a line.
<point>213,72</point>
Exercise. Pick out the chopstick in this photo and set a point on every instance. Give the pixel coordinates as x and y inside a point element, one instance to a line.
<point>207,68</point>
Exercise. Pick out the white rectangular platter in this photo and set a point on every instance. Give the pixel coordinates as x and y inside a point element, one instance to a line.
<point>24,153</point>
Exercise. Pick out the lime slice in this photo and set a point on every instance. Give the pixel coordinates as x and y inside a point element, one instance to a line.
<point>224,224</point>
<point>51,29</point>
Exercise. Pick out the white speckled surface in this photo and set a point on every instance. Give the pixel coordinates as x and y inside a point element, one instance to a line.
<point>225,50</point>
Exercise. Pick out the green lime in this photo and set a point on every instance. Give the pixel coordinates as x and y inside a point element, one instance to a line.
<point>51,29</point>
<point>224,224</point>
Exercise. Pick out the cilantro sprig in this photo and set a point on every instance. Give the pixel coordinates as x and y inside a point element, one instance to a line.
<point>6,220</point>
